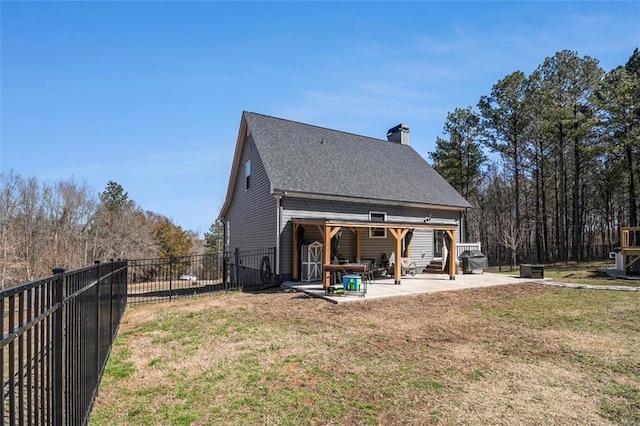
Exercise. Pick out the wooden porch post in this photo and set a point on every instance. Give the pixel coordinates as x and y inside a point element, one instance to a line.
<point>398,267</point>
<point>329,232</point>
<point>358,243</point>
<point>294,270</point>
<point>452,254</point>
<point>327,255</point>
<point>399,234</point>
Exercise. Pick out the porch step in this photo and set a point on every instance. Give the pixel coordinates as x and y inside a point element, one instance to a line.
<point>434,267</point>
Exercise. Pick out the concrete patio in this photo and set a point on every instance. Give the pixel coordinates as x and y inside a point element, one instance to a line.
<point>421,283</point>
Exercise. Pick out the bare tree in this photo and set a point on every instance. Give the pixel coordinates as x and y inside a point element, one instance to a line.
<point>71,204</point>
<point>8,203</point>
<point>45,225</point>
<point>119,229</point>
<point>511,236</point>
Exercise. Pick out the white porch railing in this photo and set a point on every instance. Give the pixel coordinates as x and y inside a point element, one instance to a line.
<point>460,247</point>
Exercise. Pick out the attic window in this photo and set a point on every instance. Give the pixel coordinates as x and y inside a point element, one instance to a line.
<point>247,173</point>
<point>377,232</point>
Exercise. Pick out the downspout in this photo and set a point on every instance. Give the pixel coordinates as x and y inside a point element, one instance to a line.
<point>278,196</point>
<point>224,251</point>
<point>224,234</point>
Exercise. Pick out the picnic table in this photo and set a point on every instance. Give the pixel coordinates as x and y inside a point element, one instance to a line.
<point>344,269</point>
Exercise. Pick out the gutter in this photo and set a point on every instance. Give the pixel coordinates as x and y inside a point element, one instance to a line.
<point>328,197</point>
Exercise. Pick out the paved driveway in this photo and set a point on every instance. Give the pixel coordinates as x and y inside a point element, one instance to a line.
<point>421,283</point>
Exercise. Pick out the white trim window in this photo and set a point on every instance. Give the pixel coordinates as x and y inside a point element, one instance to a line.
<point>377,232</point>
<point>247,174</point>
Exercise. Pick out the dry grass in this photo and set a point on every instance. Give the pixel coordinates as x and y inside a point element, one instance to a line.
<point>519,354</point>
<point>576,273</point>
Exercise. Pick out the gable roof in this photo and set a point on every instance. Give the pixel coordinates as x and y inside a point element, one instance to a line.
<point>307,159</point>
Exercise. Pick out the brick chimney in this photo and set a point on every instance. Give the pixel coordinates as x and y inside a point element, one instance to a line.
<point>399,134</point>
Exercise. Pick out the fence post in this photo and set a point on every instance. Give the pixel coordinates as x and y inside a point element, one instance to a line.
<point>170,278</point>
<point>58,318</point>
<point>96,306</point>
<point>124,284</point>
<point>235,281</point>
<point>275,262</point>
<point>224,271</point>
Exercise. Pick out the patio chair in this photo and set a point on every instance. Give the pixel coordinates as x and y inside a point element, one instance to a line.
<point>368,273</point>
<point>408,266</point>
<point>336,277</point>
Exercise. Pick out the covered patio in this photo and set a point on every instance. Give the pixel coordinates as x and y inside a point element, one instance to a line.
<point>330,227</point>
<point>419,284</point>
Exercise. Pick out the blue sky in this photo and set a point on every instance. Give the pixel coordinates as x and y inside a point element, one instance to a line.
<point>150,94</point>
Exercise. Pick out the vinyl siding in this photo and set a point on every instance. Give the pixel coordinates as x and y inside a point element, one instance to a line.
<point>371,248</point>
<point>422,247</point>
<point>252,213</point>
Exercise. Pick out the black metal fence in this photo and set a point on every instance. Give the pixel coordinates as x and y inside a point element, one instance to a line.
<point>163,279</point>
<point>57,332</point>
<point>56,336</point>
<point>252,269</point>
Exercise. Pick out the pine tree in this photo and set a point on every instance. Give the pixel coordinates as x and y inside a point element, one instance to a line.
<point>214,238</point>
<point>172,240</point>
<point>460,158</point>
<point>619,101</point>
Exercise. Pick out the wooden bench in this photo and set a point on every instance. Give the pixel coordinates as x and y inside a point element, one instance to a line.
<point>531,271</point>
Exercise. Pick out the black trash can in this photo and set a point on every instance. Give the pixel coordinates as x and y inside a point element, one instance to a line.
<point>473,261</point>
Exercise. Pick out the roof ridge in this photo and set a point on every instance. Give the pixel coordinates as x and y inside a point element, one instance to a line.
<point>321,127</point>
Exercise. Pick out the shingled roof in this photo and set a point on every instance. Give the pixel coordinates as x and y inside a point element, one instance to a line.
<point>308,159</point>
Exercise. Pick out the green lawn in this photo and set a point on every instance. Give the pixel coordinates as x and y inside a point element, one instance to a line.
<point>520,354</point>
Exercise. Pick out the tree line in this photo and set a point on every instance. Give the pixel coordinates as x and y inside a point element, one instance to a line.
<point>565,143</point>
<point>67,224</point>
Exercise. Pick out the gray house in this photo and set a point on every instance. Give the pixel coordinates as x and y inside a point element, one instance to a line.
<point>292,184</point>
